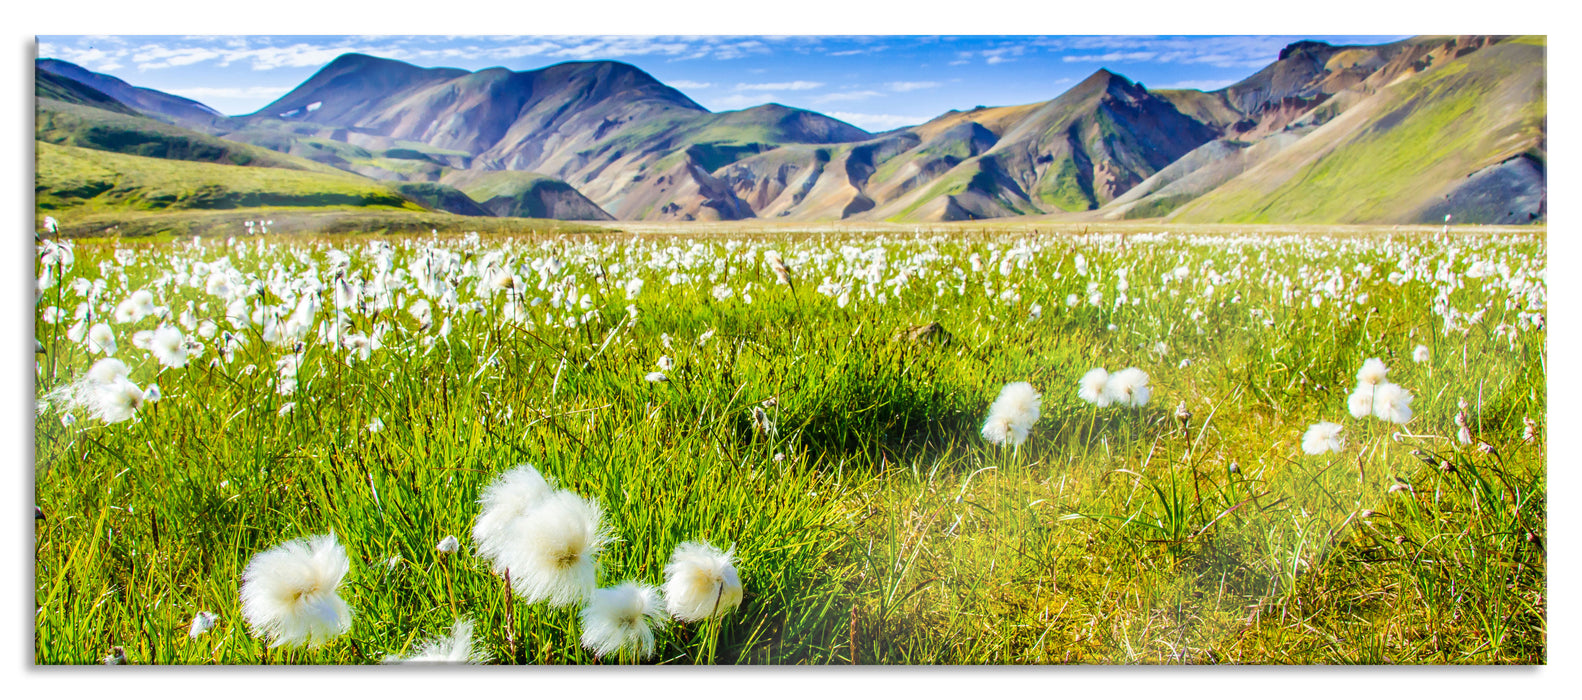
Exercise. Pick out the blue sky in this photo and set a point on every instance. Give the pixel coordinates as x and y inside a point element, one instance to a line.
<point>875,82</point>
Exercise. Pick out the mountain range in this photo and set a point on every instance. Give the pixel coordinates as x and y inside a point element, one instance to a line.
<point>1405,132</point>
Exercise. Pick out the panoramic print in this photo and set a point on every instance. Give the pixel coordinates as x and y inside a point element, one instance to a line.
<point>824,350</point>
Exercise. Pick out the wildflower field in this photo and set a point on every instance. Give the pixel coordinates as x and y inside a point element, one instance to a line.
<point>956,446</point>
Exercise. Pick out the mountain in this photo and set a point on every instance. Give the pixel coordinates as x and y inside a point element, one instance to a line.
<point>1072,153</point>
<point>120,129</point>
<point>1448,126</point>
<point>48,86</point>
<point>162,106</point>
<point>636,147</point>
<point>515,193</point>
<point>1402,132</point>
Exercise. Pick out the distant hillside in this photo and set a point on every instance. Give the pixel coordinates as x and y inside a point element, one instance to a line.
<point>440,197</point>
<point>81,180</point>
<point>48,86</point>
<point>508,193</point>
<point>166,107</point>
<point>126,132</point>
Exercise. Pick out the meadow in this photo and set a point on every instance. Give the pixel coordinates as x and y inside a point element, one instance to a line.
<point>818,403</point>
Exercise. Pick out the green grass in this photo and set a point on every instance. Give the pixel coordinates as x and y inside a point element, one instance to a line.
<point>84,182</point>
<point>81,126</point>
<point>876,526</point>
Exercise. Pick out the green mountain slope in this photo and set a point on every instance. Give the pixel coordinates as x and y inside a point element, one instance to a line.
<point>1393,157</point>
<point>514,193</point>
<point>85,126</point>
<point>80,180</point>
<point>48,86</point>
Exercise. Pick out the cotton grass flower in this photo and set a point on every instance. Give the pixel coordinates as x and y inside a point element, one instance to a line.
<point>778,265</point>
<point>289,592</point>
<point>107,370</point>
<point>1360,402</point>
<point>168,347</point>
<point>1392,403</point>
<point>117,401</point>
<point>701,582</point>
<point>1420,354</point>
<point>1323,437</point>
<point>551,553</point>
<point>622,619</point>
<point>1012,414</point>
<point>1372,372</point>
<point>1128,387</point>
<point>763,424</point>
<point>101,340</point>
<point>449,545</point>
<point>201,622</point>
<point>1091,387</point>
<point>510,496</point>
<point>453,648</point>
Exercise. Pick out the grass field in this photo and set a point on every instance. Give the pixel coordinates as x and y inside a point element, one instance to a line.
<point>372,387</point>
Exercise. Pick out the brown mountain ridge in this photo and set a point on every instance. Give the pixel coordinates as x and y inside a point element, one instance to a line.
<point>631,148</point>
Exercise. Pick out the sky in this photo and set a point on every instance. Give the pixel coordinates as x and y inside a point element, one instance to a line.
<point>874,82</point>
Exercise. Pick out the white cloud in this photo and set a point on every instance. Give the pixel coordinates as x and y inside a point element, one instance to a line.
<point>1003,54</point>
<point>688,84</point>
<point>910,86</point>
<point>793,85</point>
<point>847,96</point>
<point>1112,57</point>
<point>877,122</point>
<point>152,57</point>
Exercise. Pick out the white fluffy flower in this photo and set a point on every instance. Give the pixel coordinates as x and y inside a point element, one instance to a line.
<point>701,582</point>
<point>655,377</point>
<point>448,545</point>
<point>1360,402</point>
<point>135,307</point>
<point>552,552</point>
<point>101,339</point>
<point>1392,403</point>
<point>168,347</point>
<point>1091,387</point>
<point>1012,414</point>
<point>1323,437</point>
<point>1128,387</point>
<point>509,497</point>
<point>622,619</point>
<point>107,370</point>
<point>201,622</point>
<point>453,648</point>
<point>423,312</point>
<point>289,592</point>
<point>1372,372</point>
<point>1420,353</point>
<point>117,401</point>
